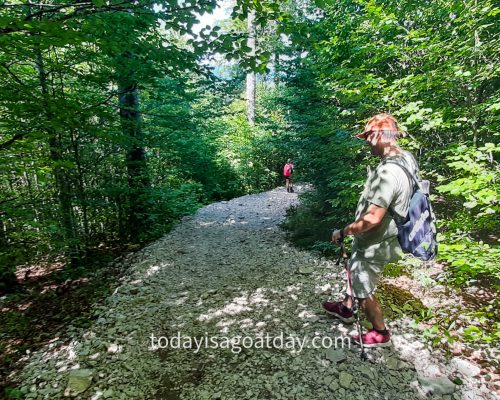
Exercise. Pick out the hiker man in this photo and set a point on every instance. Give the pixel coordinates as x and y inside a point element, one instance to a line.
<point>287,173</point>
<point>387,190</point>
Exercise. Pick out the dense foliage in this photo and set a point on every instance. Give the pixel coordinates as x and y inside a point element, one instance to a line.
<point>435,67</point>
<point>112,128</point>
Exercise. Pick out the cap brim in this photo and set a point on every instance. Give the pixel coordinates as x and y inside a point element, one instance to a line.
<point>364,134</point>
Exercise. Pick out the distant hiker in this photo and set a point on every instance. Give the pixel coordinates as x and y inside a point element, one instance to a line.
<point>287,173</point>
<point>375,232</point>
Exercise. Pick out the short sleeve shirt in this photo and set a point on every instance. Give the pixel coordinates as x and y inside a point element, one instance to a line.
<point>387,186</point>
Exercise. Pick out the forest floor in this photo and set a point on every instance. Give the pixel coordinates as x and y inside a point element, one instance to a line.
<point>235,301</point>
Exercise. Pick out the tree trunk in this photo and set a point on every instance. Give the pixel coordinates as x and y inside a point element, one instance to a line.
<point>251,75</point>
<point>81,189</point>
<point>3,235</point>
<point>62,184</point>
<point>276,69</point>
<point>138,178</point>
<point>8,279</point>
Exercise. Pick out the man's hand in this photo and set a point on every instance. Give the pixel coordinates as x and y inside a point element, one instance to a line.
<point>337,236</point>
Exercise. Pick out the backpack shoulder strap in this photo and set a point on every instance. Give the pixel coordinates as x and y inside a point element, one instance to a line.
<point>398,218</point>
<point>410,176</point>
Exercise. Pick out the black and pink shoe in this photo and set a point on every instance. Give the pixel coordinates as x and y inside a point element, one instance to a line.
<point>374,338</point>
<point>338,310</point>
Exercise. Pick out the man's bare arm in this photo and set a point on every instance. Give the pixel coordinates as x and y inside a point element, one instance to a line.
<point>368,220</point>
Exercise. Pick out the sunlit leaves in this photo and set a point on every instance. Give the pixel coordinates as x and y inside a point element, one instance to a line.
<point>477,183</point>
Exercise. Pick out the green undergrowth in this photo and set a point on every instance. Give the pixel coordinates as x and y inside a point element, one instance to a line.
<point>470,262</point>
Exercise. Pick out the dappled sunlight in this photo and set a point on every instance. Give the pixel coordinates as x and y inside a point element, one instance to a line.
<point>22,306</point>
<point>260,325</point>
<point>343,329</point>
<point>245,323</point>
<point>293,296</point>
<point>139,142</point>
<point>225,324</point>
<point>237,306</point>
<point>56,286</point>
<point>322,288</point>
<point>154,269</point>
<point>179,301</point>
<point>308,316</point>
<point>66,354</point>
<point>204,224</point>
<point>232,221</point>
<point>219,291</point>
<point>294,288</point>
<point>246,302</point>
<point>258,298</point>
<point>39,270</point>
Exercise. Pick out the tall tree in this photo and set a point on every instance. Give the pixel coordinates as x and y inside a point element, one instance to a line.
<point>251,75</point>
<point>138,178</point>
<point>62,184</point>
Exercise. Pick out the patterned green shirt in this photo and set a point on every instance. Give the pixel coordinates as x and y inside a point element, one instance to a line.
<point>386,186</point>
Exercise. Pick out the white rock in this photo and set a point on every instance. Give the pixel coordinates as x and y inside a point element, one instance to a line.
<point>465,367</point>
<point>114,348</point>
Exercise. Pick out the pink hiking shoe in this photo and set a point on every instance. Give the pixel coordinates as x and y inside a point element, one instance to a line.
<point>374,339</point>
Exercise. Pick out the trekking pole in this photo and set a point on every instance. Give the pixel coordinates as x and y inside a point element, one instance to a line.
<point>355,305</point>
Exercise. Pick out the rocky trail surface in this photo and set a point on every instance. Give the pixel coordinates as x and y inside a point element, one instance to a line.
<point>218,309</point>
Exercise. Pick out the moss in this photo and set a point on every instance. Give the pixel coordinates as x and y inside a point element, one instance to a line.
<point>398,302</point>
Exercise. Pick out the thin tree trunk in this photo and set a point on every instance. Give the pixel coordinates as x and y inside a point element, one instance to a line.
<point>138,178</point>
<point>32,197</point>
<point>63,188</point>
<point>8,279</point>
<point>276,69</point>
<point>251,75</point>
<point>3,235</point>
<point>81,188</point>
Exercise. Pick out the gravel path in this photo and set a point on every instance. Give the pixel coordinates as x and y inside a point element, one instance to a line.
<point>228,272</point>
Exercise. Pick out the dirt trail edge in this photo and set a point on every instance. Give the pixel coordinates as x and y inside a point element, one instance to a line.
<point>234,301</point>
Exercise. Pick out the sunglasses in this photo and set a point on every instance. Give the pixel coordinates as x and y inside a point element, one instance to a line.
<point>367,134</point>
